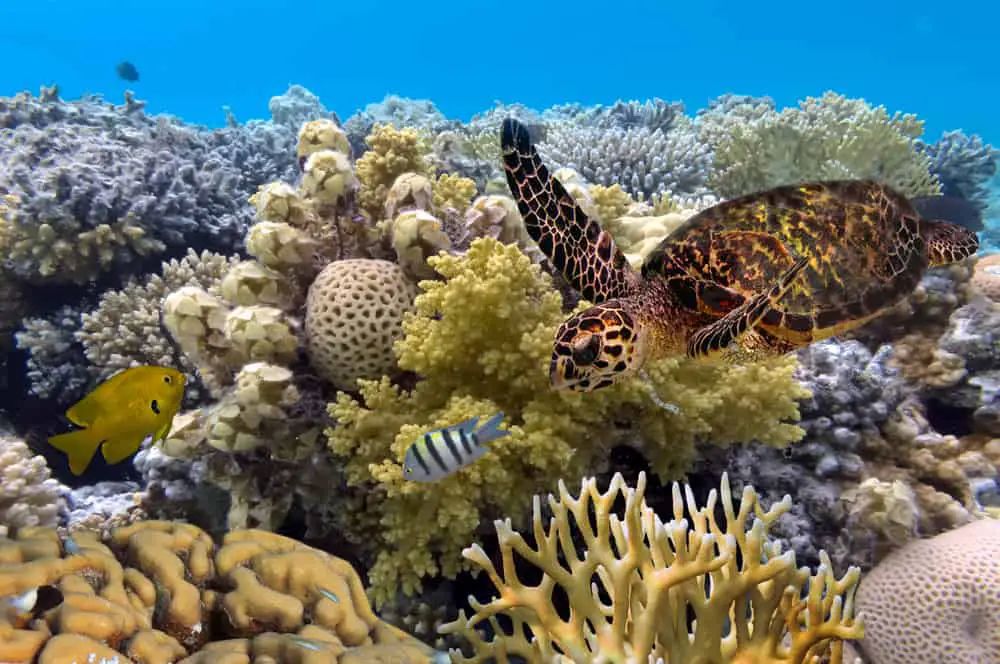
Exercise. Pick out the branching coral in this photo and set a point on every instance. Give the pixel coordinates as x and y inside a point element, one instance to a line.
<point>392,153</point>
<point>633,581</point>
<point>124,330</point>
<point>823,138</point>
<point>481,341</point>
<point>29,497</point>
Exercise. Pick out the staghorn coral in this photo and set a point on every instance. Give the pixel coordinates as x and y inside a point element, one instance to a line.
<point>936,600</point>
<point>633,582</point>
<point>481,341</point>
<point>29,497</point>
<point>828,137</point>
<point>176,597</point>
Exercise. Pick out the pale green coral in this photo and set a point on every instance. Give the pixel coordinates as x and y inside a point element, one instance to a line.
<point>481,341</point>
<point>830,137</point>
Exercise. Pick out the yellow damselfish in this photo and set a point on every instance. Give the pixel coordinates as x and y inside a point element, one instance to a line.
<point>120,413</point>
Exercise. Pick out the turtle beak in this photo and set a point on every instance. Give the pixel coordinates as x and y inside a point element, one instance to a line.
<point>562,374</point>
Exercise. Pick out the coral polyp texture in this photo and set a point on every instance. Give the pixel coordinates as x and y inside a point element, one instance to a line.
<point>642,589</point>
<point>160,592</point>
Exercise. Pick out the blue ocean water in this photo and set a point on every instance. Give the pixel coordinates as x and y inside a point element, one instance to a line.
<point>934,59</point>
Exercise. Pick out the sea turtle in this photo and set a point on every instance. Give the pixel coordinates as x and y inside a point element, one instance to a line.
<point>765,273</point>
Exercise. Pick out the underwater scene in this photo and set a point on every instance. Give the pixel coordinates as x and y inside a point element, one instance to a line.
<point>297,372</point>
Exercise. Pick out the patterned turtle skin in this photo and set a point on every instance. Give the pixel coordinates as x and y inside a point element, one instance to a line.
<point>752,277</point>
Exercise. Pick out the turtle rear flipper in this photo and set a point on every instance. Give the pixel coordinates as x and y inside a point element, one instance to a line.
<point>577,246</point>
<point>717,337</point>
<point>947,242</point>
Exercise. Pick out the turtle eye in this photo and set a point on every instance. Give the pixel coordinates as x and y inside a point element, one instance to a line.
<point>585,350</point>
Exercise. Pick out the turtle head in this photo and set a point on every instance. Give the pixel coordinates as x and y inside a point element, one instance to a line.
<point>596,348</point>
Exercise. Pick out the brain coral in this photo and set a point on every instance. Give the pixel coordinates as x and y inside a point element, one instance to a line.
<point>157,592</point>
<point>936,600</point>
<point>354,314</point>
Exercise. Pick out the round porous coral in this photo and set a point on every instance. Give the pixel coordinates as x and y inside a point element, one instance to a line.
<point>354,314</point>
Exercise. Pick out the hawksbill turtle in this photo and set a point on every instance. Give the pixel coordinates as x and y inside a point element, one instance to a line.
<point>758,276</point>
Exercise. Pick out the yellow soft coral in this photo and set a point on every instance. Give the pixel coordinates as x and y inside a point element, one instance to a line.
<point>639,578</point>
<point>393,152</point>
<point>481,341</point>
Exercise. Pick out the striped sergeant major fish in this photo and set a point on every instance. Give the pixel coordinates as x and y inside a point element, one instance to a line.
<point>437,454</point>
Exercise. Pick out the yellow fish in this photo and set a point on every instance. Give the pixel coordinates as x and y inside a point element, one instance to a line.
<point>120,413</point>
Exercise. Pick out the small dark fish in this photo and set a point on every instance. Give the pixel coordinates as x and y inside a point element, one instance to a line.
<point>21,609</point>
<point>950,208</point>
<point>126,70</point>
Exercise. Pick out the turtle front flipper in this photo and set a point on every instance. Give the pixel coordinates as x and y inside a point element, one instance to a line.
<point>947,242</point>
<point>714,339</point>
<point>577,246</point>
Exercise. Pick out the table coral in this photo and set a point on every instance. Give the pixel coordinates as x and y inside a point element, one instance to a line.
<point>157,592</point>
<point>828,137</point>
<point>634,582</point>
<point>481,340</point>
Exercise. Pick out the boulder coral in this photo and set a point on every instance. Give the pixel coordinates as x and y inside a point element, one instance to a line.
<point>480,339</point>
<point>160,592</point>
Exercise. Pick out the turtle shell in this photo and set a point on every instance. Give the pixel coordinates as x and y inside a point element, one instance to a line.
<point>863,241</point>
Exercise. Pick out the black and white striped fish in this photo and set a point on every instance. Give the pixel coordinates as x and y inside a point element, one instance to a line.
<point>437,454</point>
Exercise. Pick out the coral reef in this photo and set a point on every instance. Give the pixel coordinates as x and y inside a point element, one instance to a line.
<point>634,581</point>
<point>498,363</point>
<point>158,592</point>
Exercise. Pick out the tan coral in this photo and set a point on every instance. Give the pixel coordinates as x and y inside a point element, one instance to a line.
<point>354,315</point>
<point>986,278</point>
<point>249,282</point>
<point>639,580</point>
<point>936,600</point>
<point>415,235</point>
<point>329,177</point>
<point>160,608</point>
<point>322,134</point>
<point>408,191</point>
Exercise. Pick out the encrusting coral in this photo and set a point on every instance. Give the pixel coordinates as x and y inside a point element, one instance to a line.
<point>633,582</point>
<point>159,592</point>
<point>480,340</point>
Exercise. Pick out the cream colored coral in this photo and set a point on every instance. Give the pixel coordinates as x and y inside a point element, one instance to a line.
<point>354,313</point>
<point>28,495</point>
<point>255,412</point>
<point>639,580</point>
<point>322,134</point>
<point>936,600</point>
<point>196,320</point>
<point>261,334</point>
<point>408,191</point>
<point>329,177</point>
<point>416,235</point>
<point>281,203</point>
<point>249,283</point>
<point>280,246</point>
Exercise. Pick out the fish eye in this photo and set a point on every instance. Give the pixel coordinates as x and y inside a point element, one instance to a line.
<point>585,350</point>
<point>168,379</point>
<point>407,470</point>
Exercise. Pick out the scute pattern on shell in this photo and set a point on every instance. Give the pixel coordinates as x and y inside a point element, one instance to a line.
<point>354,315</point>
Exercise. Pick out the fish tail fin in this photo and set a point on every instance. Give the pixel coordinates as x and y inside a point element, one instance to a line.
<point>80,446</point>
<point>490,430</point>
